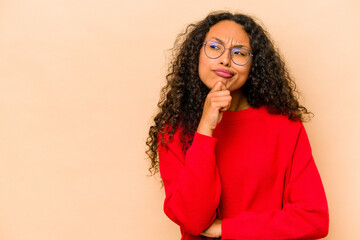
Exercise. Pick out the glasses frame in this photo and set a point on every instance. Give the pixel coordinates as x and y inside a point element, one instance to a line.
<point>231,53</point>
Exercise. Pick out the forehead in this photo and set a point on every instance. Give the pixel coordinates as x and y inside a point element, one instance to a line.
<point>229,32</point>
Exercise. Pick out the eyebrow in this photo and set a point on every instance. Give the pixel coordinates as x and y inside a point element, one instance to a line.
<point>237,45</point>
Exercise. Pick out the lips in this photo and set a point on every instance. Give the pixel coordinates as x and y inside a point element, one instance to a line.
<point>223,73</point>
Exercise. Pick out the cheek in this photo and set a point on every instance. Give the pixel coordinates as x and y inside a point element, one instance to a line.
<point>249,67</point>
<point>244,72</point>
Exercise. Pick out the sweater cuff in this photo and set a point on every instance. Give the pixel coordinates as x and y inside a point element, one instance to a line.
<point>234,228</point>
<point>204,141</point>
<point>227,229</point>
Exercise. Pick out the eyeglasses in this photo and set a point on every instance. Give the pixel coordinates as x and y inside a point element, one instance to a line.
<point>239,55</point>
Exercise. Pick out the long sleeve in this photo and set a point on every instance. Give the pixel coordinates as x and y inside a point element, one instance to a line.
<point>304,214</point>
<point>191,181</point>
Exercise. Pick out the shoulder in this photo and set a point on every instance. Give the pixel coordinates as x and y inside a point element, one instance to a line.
<point>281,123</point>
<point>167,134</point>
<point>169,137</point>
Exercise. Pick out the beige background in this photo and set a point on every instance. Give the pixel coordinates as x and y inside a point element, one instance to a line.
<point>79,83</point>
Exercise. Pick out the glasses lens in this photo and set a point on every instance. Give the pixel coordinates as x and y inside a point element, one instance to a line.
<point>240,55</point>
<point>213,49</point>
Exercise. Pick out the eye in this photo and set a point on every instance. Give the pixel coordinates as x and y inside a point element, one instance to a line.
<point>214,45</point>
<point>240,52</point>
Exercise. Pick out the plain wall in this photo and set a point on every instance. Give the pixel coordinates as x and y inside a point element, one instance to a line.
<point>79,84</point>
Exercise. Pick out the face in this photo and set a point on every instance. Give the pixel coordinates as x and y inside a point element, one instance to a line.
<point>230,34</point>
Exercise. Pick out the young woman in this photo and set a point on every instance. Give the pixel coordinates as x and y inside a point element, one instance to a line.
<point>229,142</point>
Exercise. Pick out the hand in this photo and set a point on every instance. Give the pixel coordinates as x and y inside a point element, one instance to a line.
<point>214,231</point>
<point>217,101</point>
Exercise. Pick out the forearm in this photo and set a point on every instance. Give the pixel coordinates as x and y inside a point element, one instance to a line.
<point>192,186</point>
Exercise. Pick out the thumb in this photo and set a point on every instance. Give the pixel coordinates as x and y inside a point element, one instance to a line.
<point>220,117</point>
<point>218,87</point>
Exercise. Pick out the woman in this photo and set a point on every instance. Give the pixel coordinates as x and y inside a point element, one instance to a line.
<point>234,156</point>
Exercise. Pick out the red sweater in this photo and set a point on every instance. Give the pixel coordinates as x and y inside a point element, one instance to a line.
<point>256,173</point>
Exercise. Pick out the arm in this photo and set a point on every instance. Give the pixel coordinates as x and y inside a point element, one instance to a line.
<point>192,183</point>
<point>304,214</point>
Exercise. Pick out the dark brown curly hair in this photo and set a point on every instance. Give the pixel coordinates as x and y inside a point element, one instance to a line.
<point>182,98</point>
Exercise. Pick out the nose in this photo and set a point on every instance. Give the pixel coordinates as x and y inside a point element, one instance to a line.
<point>225,58</point>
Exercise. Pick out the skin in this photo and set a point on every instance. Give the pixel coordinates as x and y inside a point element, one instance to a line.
<point>225,93</point>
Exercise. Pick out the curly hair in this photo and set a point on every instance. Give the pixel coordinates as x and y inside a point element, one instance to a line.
<point>182,99</point>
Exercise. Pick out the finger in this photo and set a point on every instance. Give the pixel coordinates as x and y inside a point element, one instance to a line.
<point>223,106</point>
<point>220,93</point>
<point>221,98</point>
<point>223,87</point>
<point>218,87</point>
<point>223,109</point>
<point>222,103</point>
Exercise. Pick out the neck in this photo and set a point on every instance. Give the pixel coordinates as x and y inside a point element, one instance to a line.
<point>239,101</point>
